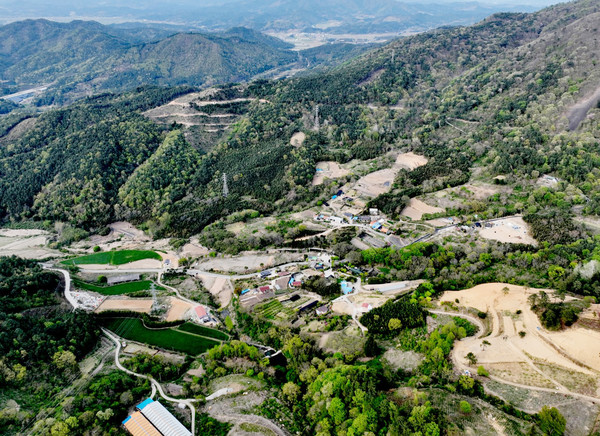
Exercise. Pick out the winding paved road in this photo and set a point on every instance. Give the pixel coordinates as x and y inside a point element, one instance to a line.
<point>155,385</point>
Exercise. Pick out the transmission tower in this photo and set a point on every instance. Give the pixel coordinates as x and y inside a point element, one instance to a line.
<point>317,124</point>
<point>225,187</point>
<point>154,298</point>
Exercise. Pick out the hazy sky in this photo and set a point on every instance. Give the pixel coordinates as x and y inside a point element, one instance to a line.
<point>185,11</point>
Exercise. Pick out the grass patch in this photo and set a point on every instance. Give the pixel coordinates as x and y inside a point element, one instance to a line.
<point>203,331</point>
<point>228,323</point>
<point>121,288</point>
<point>255,428</point>
<point>113,257</point>
<point>168,338</point>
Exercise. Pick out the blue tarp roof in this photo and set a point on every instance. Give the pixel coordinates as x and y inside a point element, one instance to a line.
<point>145,403</point>
<point>346,287</point>
<point>244,291</point>
<point>126,419</point>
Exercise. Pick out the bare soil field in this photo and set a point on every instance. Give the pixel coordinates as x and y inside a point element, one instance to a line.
<point>30,244</point>
<point>179,309</point>
<point>540,358</point>
<point>247,263</point>
<point>416,209</point>
<point>376,183</point>
<point>219,287</point>
<point>298,139</point>
<point>133,304</point>
<point>513,230</point>
<point>194,249</point>
<point>330,170</point>
<point>410,161</point>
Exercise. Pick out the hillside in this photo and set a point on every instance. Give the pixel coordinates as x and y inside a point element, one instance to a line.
<point>483,101</point>
<point>82,57</point>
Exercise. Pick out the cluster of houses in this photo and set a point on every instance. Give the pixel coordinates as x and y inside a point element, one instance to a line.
<point>374,220</point>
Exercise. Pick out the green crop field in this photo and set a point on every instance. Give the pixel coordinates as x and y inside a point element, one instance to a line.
<point>168,338</point>
<point>121,288</point>
<point>203,331</point>
<point>113,257</point>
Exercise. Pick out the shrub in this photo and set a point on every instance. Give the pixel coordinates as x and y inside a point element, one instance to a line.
<point>96,248</point>
<point>471,358</point>
<point>551,422</point>
<point>522,334</point>
<point>482,315</point>
<point>465,407</point>
<point>481,371</point>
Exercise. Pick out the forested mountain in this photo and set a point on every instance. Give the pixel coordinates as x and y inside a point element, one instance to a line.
<point>333,16</point>
<point>495,97</point>
<point>82,57</point>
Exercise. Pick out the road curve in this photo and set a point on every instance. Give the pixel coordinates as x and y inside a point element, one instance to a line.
<point>67,277</point>
<point>155,385</point>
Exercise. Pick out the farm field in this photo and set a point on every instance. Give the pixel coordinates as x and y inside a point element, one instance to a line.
<point>274,309</point>
<point>168,338</point>
<point>113,257</point>
<point>520,350</point>
<point>120,289</point>
<point>203,331</point>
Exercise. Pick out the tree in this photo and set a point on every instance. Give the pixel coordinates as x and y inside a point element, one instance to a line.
<point>471,358</point>
<point>466,383</point>
<point>394,324</point>
<point>371,348</point>
<point>551,422</point>
<point>465,407</point>
<point>291,392</point>
<point>64,360</point>
<point>337,411</point>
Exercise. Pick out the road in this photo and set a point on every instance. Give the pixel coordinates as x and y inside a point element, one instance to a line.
<point>67,277</point>
<point>155,385</point>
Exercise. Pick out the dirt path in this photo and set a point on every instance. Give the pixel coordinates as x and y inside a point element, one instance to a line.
<point>461,367</point>
<point>238,418</point>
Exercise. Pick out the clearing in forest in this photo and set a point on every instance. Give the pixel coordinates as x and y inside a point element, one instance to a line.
<point>512,230</point>
<point>415,209</point>
<point>520,350</point>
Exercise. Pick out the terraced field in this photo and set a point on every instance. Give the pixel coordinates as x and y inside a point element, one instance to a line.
<point>167,338</point>
<point>274,309</point>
